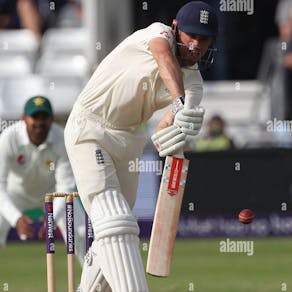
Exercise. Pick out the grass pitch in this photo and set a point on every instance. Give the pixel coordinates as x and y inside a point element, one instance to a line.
<point>197,266</point>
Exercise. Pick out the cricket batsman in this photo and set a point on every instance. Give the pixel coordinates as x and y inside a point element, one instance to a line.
<point>33,162</point>
<point>152,68</point>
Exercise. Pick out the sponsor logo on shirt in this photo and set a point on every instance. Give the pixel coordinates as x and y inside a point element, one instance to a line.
<point>20,159</point>
<point>166,34</point>
<point>99,157</point>
<point>50,164</point>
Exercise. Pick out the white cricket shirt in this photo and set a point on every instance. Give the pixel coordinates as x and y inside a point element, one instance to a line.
<point>28,172</point>
<point>126,88</point>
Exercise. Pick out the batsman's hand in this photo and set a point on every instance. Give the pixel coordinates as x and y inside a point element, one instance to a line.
<point>24,228</point>
<point>169,141</point>
<point>190,120</point>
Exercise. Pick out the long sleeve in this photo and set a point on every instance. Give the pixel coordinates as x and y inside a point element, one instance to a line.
<point>193,84</point>
<point>7,208</point>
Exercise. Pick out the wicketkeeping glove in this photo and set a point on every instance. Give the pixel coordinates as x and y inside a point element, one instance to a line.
<point>190,120</point>
<point>169,140</point>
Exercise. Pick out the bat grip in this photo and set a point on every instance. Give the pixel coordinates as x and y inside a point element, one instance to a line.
<point>190,103</point>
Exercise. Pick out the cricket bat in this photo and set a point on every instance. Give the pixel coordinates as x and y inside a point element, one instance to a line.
<point>166,216</point>
<point>167,213</point>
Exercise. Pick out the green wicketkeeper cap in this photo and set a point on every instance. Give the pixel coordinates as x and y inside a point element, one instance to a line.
<point>38,104</point>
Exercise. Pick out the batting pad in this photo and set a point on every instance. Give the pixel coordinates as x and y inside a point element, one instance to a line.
<point>111,215</point>
<point>92,279</point>
<point>122,264</point>
<point>117,243</point>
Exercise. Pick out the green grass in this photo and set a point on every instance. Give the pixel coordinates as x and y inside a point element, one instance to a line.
<point>197,266</point>
<point>23,267</point>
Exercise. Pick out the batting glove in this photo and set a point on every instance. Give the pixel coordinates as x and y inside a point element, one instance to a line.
<point>169,141</point>
<point>190,120</point>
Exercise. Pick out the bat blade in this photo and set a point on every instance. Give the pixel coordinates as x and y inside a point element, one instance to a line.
<point>166,216</point>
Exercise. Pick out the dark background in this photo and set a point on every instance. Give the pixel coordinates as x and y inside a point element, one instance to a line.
<point>241,36</point>
<point>263,183</point>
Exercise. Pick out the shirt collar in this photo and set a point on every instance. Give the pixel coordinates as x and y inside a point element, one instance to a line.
<point>193,67</point>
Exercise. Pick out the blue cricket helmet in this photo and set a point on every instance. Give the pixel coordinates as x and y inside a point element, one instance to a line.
<point>197,17</point>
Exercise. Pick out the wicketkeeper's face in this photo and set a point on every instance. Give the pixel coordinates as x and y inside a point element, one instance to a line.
<point>193,47</point>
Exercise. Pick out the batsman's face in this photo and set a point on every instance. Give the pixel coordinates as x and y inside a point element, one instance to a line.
<point>193,47</point>
<point>38,127</point>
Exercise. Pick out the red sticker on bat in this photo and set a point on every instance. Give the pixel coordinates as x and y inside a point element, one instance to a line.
<point>175,174</point>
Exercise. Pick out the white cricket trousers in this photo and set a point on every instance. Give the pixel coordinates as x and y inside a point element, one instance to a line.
<point>100,158</point>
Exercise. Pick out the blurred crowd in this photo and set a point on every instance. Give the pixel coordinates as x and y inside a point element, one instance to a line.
<point>275,68</point>
<point>284,22</point>
<point>216,138</point>
<point>39,15</point>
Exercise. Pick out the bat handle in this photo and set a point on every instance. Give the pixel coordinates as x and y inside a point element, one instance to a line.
<point>190,102</point>
<point>180,154</point>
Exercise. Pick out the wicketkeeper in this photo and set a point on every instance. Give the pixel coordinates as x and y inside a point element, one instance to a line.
<point>33,162</point>
<point>150,69</point>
